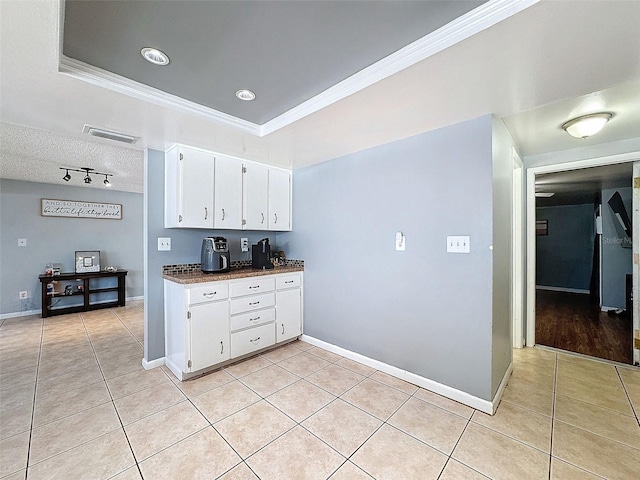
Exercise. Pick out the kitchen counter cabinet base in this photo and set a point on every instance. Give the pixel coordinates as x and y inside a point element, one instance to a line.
<point>210,325</point>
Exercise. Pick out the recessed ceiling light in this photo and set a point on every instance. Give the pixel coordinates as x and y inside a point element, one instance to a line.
<point>587,125</point>
<point>155,56</point>
<point>246,95</point>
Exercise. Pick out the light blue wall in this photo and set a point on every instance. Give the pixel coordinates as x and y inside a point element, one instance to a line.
<point>502,148</point>
<point>56,239</point>
<point>422,310</point>
<point>185,248</point>
<point>616,261</point>
<point>564,257</point>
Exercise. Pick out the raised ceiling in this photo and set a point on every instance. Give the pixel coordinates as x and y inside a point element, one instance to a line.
<point>532,64</point>
<point>285,52</point>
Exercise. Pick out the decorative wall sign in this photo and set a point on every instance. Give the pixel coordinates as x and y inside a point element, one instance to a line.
<point>72,208</point>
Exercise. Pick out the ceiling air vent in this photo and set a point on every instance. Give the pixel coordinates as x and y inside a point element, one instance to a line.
<point>109,135</point>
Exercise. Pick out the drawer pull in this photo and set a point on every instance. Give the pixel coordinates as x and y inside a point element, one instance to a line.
<point>262,218</point>
<point>254,319</point>
<point>276,218</point>
<point>223,215</point>
<point>288,281</point>
<point>255,303</point>
<point>283,329</point>
<point>209,295</point>
<point>254,286</point>
<point>221,348</point>
<point>255,340</point>
<point>206,213</point>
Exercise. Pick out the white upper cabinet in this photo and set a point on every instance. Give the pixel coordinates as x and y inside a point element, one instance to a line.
<point>188,188</point>
<point>279,200</point>
<point>208,190</point>
<point>256,185</point>
<point>228,193</point>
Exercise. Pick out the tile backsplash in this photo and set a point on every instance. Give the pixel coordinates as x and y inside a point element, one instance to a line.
<point>195,267</point>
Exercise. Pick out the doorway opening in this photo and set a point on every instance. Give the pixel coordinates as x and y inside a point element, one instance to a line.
<point>580,259</point>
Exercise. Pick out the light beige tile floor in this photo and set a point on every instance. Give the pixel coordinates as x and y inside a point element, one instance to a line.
<point>75,402</point>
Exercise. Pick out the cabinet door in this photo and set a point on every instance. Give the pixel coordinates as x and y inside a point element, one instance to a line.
<point>209,335</point>
<point>256,182</point>
<point>195,189</point>
<point>288,314</point>
<point>279,200</point>
<point>228,193</point>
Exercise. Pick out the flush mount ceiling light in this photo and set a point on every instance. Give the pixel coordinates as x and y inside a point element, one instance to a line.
<point>109,134</point>
<point>246,95</point>
<point>87,177</point>
<point>587,125</point>
<point>154,56</point>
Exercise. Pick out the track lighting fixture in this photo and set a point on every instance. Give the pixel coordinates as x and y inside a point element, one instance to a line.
<point>87,175</point>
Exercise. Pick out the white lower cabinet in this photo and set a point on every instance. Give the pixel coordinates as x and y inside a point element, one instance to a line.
<point>288,311</point>
<point>209,324</point>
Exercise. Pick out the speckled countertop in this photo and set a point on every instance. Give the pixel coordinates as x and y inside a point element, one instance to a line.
<point>234,274</point>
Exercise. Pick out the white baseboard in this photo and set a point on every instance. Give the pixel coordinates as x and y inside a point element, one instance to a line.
<point>503,384</point>
<point>158,362</point>
<point>561,289</point>
<point>26,313</point>
<point>472,401</point>
<point>604,308</point>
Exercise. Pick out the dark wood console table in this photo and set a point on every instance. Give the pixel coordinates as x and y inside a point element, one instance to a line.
<point>85,288</point>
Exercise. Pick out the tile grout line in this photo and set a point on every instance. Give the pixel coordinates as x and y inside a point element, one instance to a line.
<point>626,392</point>
<point>111,396</point>
<point>33,407</point>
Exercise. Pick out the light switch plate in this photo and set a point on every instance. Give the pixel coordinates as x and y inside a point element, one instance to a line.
<point>244,244</point>
<point>459,244</point>
<point>164,244</point>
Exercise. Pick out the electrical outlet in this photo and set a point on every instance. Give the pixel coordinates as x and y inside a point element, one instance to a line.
<point>459,244</point>
<point>244,244</point>
<point>164,244</point>
<point>24,295</point>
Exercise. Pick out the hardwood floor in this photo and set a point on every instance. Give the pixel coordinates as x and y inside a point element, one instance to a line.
<point>568,321</point>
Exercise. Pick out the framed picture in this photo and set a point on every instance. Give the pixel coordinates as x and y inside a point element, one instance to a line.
<point>87,261</point>
<point>542,227</point>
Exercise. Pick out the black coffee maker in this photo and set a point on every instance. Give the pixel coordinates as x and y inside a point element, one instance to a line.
<point>261,255</point>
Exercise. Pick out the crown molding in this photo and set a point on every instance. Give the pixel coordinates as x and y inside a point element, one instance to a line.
<point>473,22</point>
<point>461,28</point>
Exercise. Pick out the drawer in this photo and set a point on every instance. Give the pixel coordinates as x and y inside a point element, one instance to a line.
<point>288,281</point>
<point>251,319</point>
<point>253,339</point>
<point>252,302</point>
<point>249,287</point>
<point>208,292</point>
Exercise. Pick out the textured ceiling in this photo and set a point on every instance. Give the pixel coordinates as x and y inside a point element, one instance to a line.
<point>285,51</point>
<point>29,154</point>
